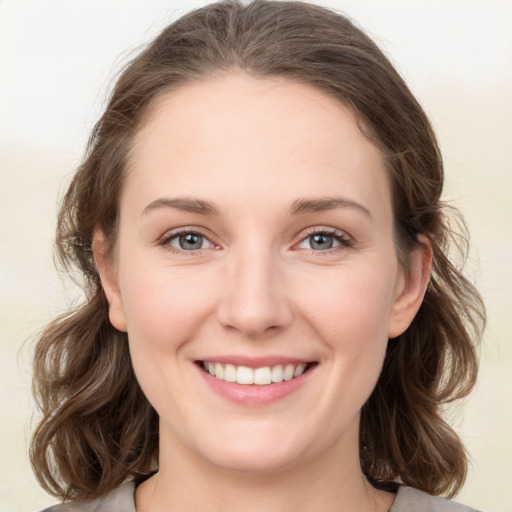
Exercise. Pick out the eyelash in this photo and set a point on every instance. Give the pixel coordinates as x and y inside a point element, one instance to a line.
<point>345,242</point>
<point>166,241</point>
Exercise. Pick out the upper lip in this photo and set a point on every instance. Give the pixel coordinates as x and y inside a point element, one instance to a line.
<point>256,362</point>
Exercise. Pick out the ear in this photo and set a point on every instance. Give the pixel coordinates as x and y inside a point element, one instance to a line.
<point>411,287</point>
<point>108,274</point>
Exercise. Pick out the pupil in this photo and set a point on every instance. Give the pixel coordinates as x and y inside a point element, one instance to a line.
<point>191,241</point>
<point>322,242</point>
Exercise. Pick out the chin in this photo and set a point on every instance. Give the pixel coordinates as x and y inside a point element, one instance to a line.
<point>269,453</point>
<point>253,463</point>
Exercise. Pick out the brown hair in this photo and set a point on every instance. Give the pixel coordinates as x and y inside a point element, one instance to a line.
<point>98,429</point>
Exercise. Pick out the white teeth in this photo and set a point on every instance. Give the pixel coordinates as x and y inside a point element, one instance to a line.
<point>244,375</point>
<point>289,370</point>
<point>219,371</point>
<point>262,376</point>
<point>277,374</point>
<point>299,370</point>
<point>258,376</point>
<point>230,373</point>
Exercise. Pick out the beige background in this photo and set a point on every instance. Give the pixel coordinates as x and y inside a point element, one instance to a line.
<point>57,59</point>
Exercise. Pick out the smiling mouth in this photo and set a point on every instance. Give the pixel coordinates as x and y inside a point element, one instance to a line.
<point>262,376</point>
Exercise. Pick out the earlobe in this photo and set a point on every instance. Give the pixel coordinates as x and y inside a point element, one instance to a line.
<point>411,291</point>
<point>108,275</point>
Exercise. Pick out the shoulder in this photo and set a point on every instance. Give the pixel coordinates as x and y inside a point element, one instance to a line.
<point>118,500</point>
<point>412,500</point>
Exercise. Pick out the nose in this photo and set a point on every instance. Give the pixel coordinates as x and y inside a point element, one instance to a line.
<point>255,301</point>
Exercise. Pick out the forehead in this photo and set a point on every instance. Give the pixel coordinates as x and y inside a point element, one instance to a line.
<point>238,134</point>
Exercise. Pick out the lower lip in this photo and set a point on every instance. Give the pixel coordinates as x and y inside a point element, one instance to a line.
<point>254,395</point>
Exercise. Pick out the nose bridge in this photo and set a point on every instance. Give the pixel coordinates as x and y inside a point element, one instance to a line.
<point>255,300</point>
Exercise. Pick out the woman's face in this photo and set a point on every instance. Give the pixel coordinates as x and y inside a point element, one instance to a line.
<point>256,243</point>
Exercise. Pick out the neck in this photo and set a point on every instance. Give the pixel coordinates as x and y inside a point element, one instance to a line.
<point>331,482</point>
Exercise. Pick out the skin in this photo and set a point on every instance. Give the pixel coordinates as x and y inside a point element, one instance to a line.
<point>258,288</point>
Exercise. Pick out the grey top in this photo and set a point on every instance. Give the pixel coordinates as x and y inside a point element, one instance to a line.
<point>122,500</point>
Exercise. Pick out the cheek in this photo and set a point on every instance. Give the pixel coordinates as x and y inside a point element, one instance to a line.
<point>162,317</point>
<point>164,309</point>
<point>164,312</point>
<point>350,314</point>
<point>349,304</point>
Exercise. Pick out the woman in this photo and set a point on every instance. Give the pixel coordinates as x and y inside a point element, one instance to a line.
<point>272,320</point>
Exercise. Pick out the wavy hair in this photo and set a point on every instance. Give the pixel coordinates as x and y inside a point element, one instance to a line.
<point>97,428</point>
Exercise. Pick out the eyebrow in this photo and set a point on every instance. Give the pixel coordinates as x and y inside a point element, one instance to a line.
<point>326,203</point>
<point>183,203</point>
<point>300,206</point>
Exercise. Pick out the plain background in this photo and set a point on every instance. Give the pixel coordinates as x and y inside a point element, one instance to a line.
<point>57,62</point>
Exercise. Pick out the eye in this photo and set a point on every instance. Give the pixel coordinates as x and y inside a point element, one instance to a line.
<point>187,241</point>
<point>324,240</point>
